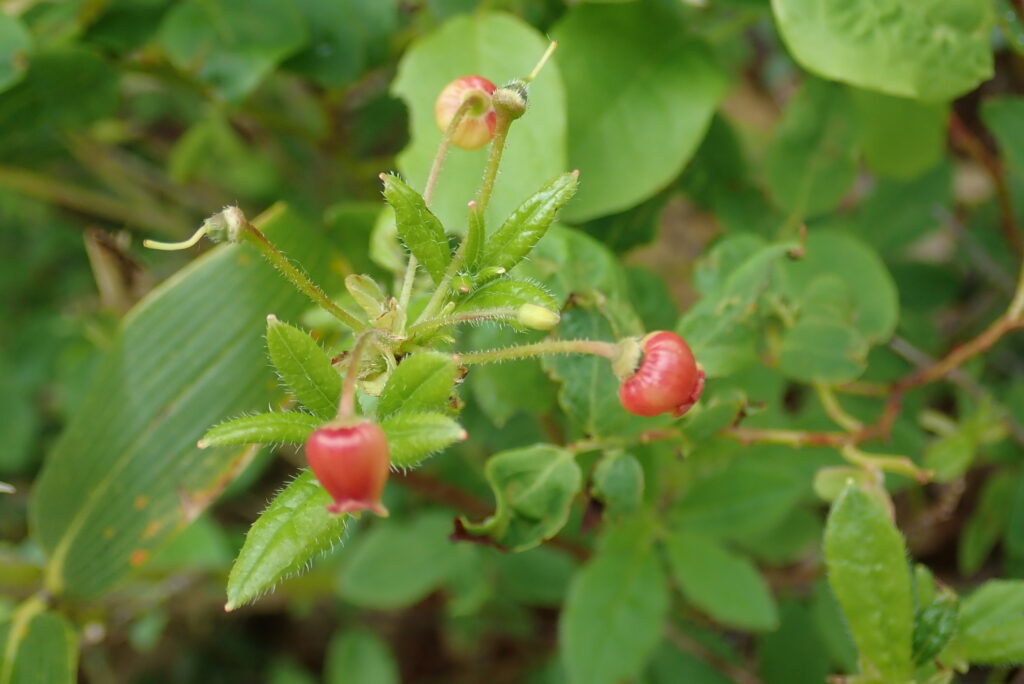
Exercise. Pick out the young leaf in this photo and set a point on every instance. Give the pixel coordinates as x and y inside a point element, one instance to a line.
<point>934,625</point>
<point>291,427</point>
<point>420,231</point>
<point>414,436</point>
<point>612,619</point>
<point>476,235</point>
<point>991,629</point>
<point>867,568</point>
<point>533,488</point>
<point>723,584</point>
<point>304,368</point>
<point>422,382</point>
<point>358,656</point>
<point>507,293</point>
<point>293,530</point>
<point>398,563</point>
<point>367,294</point>
<point>888,45</point>
<point>619,482</point>
<point>38,646</point>
<point>527,225</point>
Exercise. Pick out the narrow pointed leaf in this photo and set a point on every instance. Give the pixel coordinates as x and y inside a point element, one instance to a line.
<point>508,293</point>
<point>420,231</point>
<point>304,367</point>
<point>412,437</point>
<point>294,529</point>
<point>422,382</point>
<point>276,427</point>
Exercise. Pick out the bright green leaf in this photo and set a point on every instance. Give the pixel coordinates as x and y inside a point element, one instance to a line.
<point>423,382</point>
<point>39,647</point>
<point>418,229</point>
<point>641,94</point>
<point>927,49</point>
<point>295,529</point>
<point>902,138</point>
<point>276,427</point>
<point>991,628</point>
<point>508,293</point>
<point>867,569</point>
<point>304,367</point>
<point>412,437</point>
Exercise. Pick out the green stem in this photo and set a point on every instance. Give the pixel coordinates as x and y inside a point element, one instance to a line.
<point>609,350</point>
<point>346,407</point>
<point>428,193</point>
<point>892,464</point>
<point>834,409</point>
<point>493,161</point>
<point>496,314</point>
<point>297,277</point>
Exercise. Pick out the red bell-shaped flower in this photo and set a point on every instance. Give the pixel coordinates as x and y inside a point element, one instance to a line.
<point>477,126</point>
<point>351,462</point>
<point>668,379</point>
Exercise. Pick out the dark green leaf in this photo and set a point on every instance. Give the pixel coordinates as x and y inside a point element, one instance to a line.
<point>533,491</point>
<point>15,42</point>
<point>612,619</point>
<point>641,95</point>
<point>934,625</point>
<point>867,569</point>
<point>412,437</point>
<point>295,529</point>
<point>358,656</point>
<point>276,427</point>
<point>822,350</point>
<point>794,653</point>
<point>811,162</point>
<point>721,582</point>
<point>398,563</point>
<point>420,231</point>
<point>422,383</point>
<point>231,44</point>
<point>517,236</point>
<point>930,50</point>
<point>304,367</point>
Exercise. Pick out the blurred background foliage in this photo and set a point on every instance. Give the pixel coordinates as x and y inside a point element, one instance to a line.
<point>690,122</point>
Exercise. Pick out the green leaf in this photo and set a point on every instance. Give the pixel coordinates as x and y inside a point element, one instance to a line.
<point>126,472</point>
<point>867,569</point>
<point>501,390</point>
<point>743,500</point>
<point>507,293</point>
<point>641,95</point>
<point>358,656</point>
<point>367,293</point>
<point>412,437</point>
<point>831,626</point>
<point>38,647</point>
<point>276,427</point>
<point>991,629</point>
<point>422,383</point>
<point>902,138</point>
<point>812,160</point>
<point>1003,116</point>
<point>840,254</point>
<point>15,42</point>
<point>723,584</point>
<point>986,523</point>
<point>794,653</point>
<point>619,482</point>
<point>934,625</point>
<point>612,619</point>
<point>231,45</point>
<point>517,236</point>
<point>1013,536</point>
<point>500,47</point>
<point>334,54</point>
<point>398,563</point>
<point>672,666</point>
<point>419,230</point>
<point>928,50</point>
<point>304,367</point>
<point>294,530</point>
<point>533,491</point>
<point>822,350</point>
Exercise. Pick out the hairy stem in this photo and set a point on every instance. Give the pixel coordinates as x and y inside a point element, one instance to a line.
<point>346,407</point>
<point>496,314</point>
<point>608,350</point>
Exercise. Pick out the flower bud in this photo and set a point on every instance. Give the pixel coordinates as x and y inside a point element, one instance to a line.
<point>537,317</point>
<point>351,462</point>
<point>668,379</point>
<point>511,99</point>
<point>477,126</point>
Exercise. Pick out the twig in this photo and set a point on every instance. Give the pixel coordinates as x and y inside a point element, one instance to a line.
<point>686,644</point>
